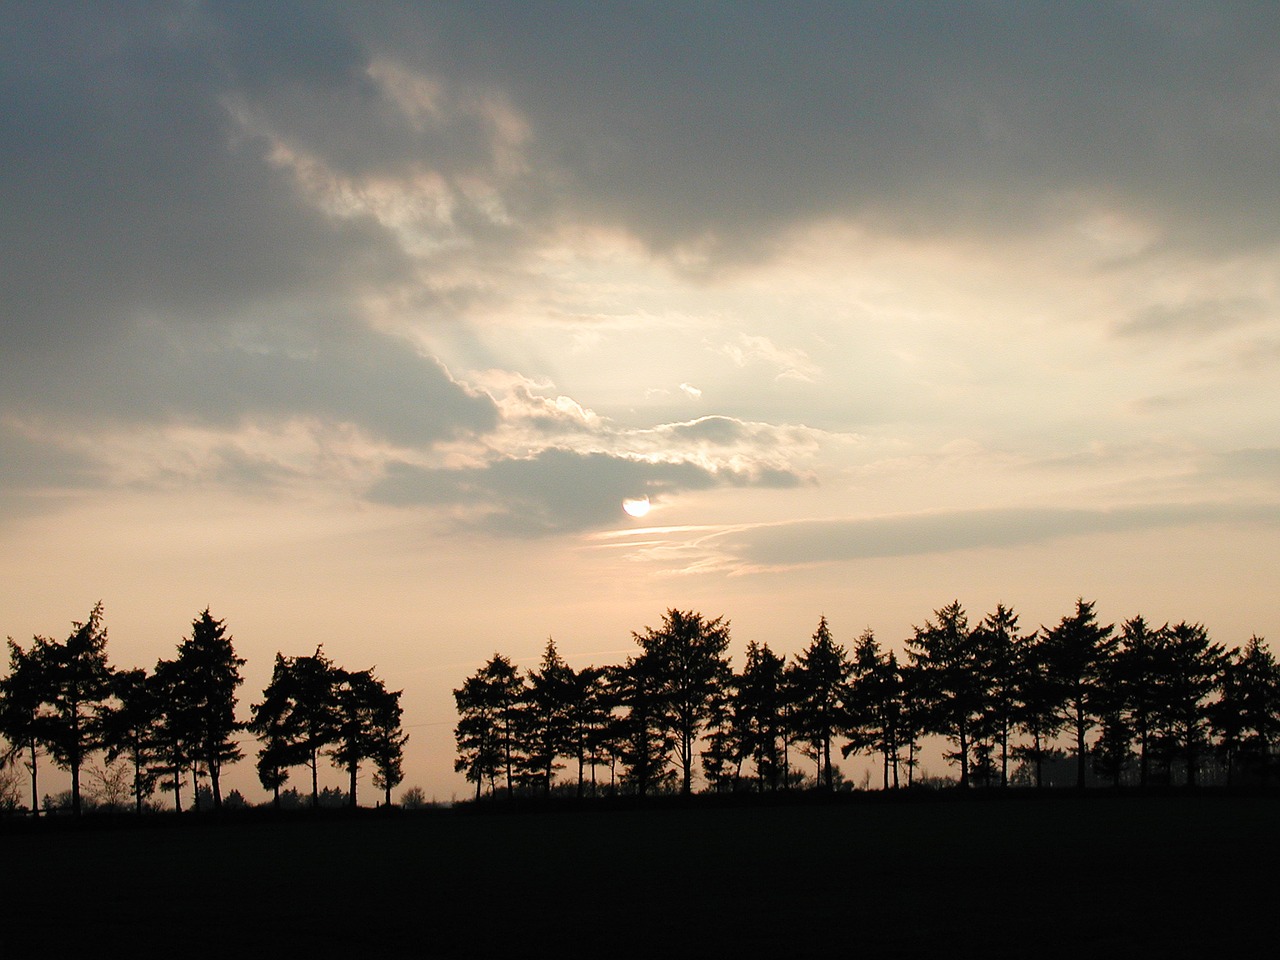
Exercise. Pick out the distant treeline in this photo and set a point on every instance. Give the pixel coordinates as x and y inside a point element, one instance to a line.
<point>1140,705</point>
<point>176,727</point>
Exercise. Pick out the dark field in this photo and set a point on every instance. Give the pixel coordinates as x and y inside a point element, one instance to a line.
<point>996,877</point>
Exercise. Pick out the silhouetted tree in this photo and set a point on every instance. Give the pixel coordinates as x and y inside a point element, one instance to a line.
<point>476,733</point>
<point>354,697</point>
<point>687,657</point>
<point>818,681</point>
<point>269,724</point>
<point>640,732</point>
<point>999,645</point>
<point>1247,715</point>
<point>951,680</point>
<point>1076,650</point>
<point>210,674</point>
<point>588,722</point>
<point>176,731</point>
<point>547,727</point>
<point>761,712</point>
<point>77,682</point>
<point>388,740</point>
<point>311,718</point>
<point>1112,750</point>
<point>723,754</point>
<point>1197,665</point>
<point>22,694</point>
<point>1036,710</point>
<point>490,705</point>
<point>130,729</point>
<point>1134,673</point>
<point>875,705</point>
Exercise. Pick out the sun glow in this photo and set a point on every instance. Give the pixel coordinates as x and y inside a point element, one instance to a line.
<point>637,507</point>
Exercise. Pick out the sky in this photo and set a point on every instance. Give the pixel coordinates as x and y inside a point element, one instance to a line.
<point>358,323</point>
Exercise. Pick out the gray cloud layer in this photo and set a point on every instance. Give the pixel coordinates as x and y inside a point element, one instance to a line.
<point>165,258</point>
<point>900,536</point>
<point>556,491</point>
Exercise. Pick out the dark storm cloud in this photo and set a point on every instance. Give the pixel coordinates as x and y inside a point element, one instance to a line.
<point>556,491</point>
<point>683,120</point>
<point>156,266</point>
<point>901,536</point>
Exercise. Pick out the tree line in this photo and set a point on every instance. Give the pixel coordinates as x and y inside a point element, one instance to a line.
<point>176,725</point>
<point>1140,704</point>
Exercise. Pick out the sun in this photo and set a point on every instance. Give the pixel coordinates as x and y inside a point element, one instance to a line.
<point>636,507</point>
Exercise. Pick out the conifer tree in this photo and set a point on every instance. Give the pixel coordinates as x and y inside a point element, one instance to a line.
<point>210,674</point>
<point>1247,715</point>
<point>951,679</point>
<point>761,697</point>
<point>77,686</point>
<point>22,694</point>
<point>269,724</point>
<point>1076,650</point>
<point>388,740</point>
<point>547,717</point>
<point>818,681</point>
<point>130,729</point>
<point>687,657</point>
<point>1197,665</point>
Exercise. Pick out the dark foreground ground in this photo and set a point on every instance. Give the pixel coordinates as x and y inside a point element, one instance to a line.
<point>1081,877</point>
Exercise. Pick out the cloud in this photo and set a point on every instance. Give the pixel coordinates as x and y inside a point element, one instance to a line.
<point>557,491</point>
<point>1194,318</point>
<point>705,129</point>
<point>826,541</point>
<point>690,391</point>
<point>792,364</point>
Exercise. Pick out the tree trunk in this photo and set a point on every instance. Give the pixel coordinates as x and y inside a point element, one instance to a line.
<point>1079,743</point>
<point>213,781</point>
<point>353,769</point>
<point>1004,758</point>
<point>315,782</point>
<point>35,792</point>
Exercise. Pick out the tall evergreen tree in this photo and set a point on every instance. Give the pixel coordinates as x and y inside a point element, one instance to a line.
<point>547,725</point>
<point>952,679</point>
<point>176,731</point>
<point>1135,672</point>
<point>588,720</point>
<point>875,706</point>
<point>311,719</point>
<point>1077,648</point>
<point>210,675</point>
<point>1197,665</point>
<point>1037,701</point>
<point>819,682</point>
<point>77,681</point>
<point>1247,715</point>
<point>640,731</point>
<point>476,733</point>
<point>999,644</point>
<point>22,694</point>
<point>490,709</point>
<point>357,697</point>
<point>269,724</point>
<point>388,740</point>
<point>130,729</point>
<point>761,697</point>
<point>687,654</point>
